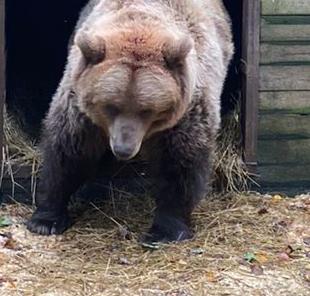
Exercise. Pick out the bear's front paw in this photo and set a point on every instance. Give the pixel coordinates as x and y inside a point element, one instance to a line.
<point>168,229</point>
<point>48,223</point>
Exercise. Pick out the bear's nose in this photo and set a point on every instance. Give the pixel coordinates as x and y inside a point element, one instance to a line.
<point>122,152</point>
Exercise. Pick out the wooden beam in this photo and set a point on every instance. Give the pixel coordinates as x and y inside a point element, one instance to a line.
<point>285,28</point>
<point>284,152</point>
<point>2,70</point>
<point>250,77</point>
<point>289,102</point>
<point>275,125</point>
<point>294,53</point>
<point>285,173</point>
<point>284,7</point>
<point>285,78</point>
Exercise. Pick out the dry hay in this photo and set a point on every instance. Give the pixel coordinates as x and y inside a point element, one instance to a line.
<point>231,174</point>
<point>18,151</point>
<point>244,245</point>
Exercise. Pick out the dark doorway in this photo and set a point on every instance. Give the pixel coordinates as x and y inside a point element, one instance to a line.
<point>232,89</point>
<point>37,34</point>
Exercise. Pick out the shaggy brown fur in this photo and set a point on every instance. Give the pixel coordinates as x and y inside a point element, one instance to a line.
<point>142,76</point>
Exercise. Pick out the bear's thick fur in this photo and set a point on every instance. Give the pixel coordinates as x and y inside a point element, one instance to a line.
<point>143,78</point>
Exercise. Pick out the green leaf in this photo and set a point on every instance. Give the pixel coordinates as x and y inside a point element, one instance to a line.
<point>5,221</point>
<point>249,257</point>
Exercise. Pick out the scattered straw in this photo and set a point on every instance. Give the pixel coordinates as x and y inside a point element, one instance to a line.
<point>231,174</point>
<point>18,151</point>
<point>101,254</point>
<point>19,148</point>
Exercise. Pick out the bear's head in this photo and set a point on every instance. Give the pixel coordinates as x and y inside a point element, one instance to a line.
<point>133,83</point>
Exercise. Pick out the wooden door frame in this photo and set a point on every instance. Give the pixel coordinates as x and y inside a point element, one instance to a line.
<point>2,70</point>
<point>251,16</point>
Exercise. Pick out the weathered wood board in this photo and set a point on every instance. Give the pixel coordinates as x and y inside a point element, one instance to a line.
<point>2,68</point>
<point>285,173</point>
<point>275,126</point>
<point>285,28</point>
<point>285,53</point>
<point>285,7</point>
<point>284,78</point>
<point>295,102</point>
<point>284,151</point>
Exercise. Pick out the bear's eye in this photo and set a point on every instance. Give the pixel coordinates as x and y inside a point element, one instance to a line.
<point>146,113</point>
<point>111,110</point>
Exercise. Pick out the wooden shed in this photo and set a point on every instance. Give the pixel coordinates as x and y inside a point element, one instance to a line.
<point>273,48</point>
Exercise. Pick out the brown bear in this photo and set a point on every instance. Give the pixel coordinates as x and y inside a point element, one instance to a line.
<point>142,77</point>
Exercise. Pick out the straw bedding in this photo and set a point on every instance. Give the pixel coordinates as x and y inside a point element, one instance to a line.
<point>244,245</point>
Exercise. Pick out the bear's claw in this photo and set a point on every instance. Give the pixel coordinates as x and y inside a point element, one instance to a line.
<point>41,224</point>
<point>168,230</point>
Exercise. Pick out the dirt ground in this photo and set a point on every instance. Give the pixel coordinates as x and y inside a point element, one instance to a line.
<point>244,245</point>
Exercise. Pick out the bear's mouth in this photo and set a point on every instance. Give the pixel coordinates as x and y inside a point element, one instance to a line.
<point>123,151</point>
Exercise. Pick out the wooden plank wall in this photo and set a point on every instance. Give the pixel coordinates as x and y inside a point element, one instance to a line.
<point>2,70</point>
<point>284,120</point>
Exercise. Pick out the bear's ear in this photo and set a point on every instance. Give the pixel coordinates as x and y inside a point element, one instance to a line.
<point>92,47</point>
<point>174,53</point>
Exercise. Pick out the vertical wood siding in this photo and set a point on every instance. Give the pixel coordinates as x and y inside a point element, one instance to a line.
<point>2,69</point>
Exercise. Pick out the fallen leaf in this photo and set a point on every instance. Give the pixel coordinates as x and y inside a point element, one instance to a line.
<point>249,257</point>
<point>211,278</point>
<point>284,256</point>
<point>276,198</point>
<point>12,245</point>
<point>5,221</point>
<point>257,269</point>
<point>7,241</point>
<point>261,258</point>
<point>262,211</point>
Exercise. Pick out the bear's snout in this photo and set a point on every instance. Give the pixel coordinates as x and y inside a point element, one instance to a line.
<point>123,152</point>
<point>126,136</point>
